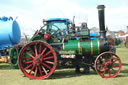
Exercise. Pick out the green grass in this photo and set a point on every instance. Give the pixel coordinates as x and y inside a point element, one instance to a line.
<point>67,76</point>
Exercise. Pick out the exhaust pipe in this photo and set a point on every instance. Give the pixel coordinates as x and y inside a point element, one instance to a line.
<point>101,21</point>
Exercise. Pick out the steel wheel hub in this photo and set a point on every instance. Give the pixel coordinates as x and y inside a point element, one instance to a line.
<point>37,60</point>
<point>108,65</point>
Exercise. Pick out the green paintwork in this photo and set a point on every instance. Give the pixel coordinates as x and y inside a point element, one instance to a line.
<point>95,47</point>
<point>36,37</point>
<point>53,38</point>
<point>71,45</point>
<point>85,46</point>
<point>13,58</point>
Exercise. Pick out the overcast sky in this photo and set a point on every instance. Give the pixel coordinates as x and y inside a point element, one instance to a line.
<point>31,12</point>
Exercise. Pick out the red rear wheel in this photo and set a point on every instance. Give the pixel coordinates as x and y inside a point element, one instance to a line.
<point>37,60</point>
<point>108,65</point>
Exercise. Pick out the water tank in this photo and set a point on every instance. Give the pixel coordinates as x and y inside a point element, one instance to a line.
<point>9,32</point>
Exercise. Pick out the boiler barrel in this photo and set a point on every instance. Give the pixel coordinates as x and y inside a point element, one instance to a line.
<point>9,32</point>
<point>88,47</point>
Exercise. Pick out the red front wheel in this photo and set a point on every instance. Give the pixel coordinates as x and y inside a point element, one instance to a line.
<point>37,60</point>
<point>108,65</point>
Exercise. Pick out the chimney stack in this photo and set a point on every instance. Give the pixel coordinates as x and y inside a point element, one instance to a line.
<point>101,21</point>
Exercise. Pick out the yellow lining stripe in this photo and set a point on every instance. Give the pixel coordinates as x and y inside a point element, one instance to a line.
<point>91,48</point>
<point>79,47</point>
<point>100,9</point>
<point>98,46</point>
<point>63,46</point>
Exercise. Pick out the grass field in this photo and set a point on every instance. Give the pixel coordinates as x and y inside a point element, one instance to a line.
<point>67,76</point>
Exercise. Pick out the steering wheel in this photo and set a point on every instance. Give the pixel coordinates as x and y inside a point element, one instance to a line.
<point>47,29</point>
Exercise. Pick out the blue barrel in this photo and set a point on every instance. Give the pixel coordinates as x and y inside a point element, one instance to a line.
<point>9,32</point>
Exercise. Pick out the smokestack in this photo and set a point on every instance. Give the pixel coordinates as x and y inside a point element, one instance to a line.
<point>101,21</point>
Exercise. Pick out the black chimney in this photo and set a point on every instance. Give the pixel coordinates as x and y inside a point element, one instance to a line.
<point>101,21</point>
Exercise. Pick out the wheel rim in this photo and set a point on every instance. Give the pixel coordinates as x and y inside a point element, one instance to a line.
<point>14,56</point>
<point>37,60</point>
<point>108,65</point>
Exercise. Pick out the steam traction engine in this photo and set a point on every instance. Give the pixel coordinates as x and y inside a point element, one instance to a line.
<point>56,43</point>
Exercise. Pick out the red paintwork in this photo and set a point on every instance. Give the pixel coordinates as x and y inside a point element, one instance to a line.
<point>108,65</point>
<point>47,36</point>
<point>39,62</point>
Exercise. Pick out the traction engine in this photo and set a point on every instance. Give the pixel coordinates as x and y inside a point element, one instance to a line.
<point>58,44</point>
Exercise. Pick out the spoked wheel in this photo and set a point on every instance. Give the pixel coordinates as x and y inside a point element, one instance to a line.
<point>14,56</point>
<point>108,65</point>
<point>37,60</point>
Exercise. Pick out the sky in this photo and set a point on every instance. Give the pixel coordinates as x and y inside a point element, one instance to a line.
<point>31,12</point>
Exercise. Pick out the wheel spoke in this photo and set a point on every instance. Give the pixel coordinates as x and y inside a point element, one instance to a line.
<point>28,62</point>
<point>47,53</point>
<point>115,61</point>
<point>50,62</point>
<point>31,50</point>
<point>46,66</point>
<point>27,58</point>
<point>104,72</point>
<point>31,69</point>
<point>40,48</point>
<point>44,70</point>
<point>43,51</point>
<point>28,66</point>
<point>106,58</point>
<point>109,72</point>
<point>115,66</point>
<point>30,55</point>
<point>111,58</point>
<point>101,68</point>
<point>113,70</point>
<point>35,72</point>
<point>102,60</point>
<point>40,71</point>
<point>48,58</point>
<point>35,51</point>
<point>100,64</point>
